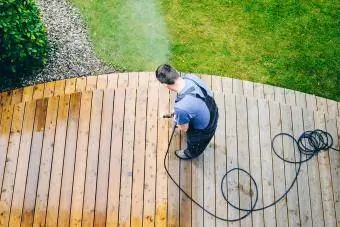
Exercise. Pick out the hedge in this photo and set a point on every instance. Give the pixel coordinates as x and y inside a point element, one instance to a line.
<point>23,40</point>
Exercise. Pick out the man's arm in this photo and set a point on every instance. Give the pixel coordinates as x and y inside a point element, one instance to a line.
<point>183,127</point>
<point>182,119</point>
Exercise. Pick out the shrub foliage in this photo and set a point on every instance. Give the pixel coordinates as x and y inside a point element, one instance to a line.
<point>23,41</point>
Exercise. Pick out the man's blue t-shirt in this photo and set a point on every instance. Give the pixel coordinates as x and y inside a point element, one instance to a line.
<point>192,109</point>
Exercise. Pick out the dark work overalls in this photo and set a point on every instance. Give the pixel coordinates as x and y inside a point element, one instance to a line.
<point>198,139</point>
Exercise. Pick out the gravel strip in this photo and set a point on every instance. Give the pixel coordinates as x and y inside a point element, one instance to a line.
<point>72,54</point>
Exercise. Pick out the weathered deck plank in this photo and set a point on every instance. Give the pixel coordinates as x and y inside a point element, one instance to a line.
<point>325,178</point>
<point>69,160</point>
<point>173,191</point>
<point>161,176</point>
<point>92,159</point>
<point>303,183</point>
<point>220,160</point>
<point>290,169</point>
<point>255,157</point>
<point>34,162</point>
<point>21,173</point>
<point>334,157</point>
<point>46,162</point>
<point>80,159</point>
<point>149,202</point>
<point>104,158</point>
<point>279,182</point>
<point>138,164</point>
<point>313,174</point>
<point>266,161</point>
<point>5,128</point>
<point>243,156</point>
<point>115,159</point>
<point>6,191</point>
<point>58,161</point>
<point>231,145</point>
<point>127,159</point>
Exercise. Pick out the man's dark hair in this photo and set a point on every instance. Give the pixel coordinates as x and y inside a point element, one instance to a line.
<point>166,74</point>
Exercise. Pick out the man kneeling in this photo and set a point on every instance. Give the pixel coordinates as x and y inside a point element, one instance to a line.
<point>195,109</point>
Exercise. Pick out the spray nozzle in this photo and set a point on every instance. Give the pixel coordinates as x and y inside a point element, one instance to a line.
<point>169,115</point>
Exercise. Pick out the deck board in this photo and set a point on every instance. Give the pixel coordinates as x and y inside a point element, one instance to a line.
<point>58,161</point>
<point>220,160</point>
<point>34,162</point>
<point>16,96</point>
<point>243,155</point>
<point>92,159</point>
<point>149,192</point>
<point>266,161</point>
<point>80,84</point>
<point>325,178</point>
<point>248,88</point>
<point>115,159</point>
<point>21,173</point>
<point>290,170</point>
<point>104,158</point>
<point>279,172</point>
<point>331,127</point>
<point>161,176</point>
<point>127,159</point>
<point>59,88</point>
<point>138,164</point>
<point>49,89</point>
<point>258,91</point>
<point>102,82</point>
<point>82,152</point>
<point>313,175</point>
<point>337,160</point>
<point>5,128</point>
<point>46,162</point>
<point>38,91</point>
<point>173,191</point>
<point>6,191</point>
<point>70,85</point>
<point>303,183</point>
<point>80,159</point>
<point>231,145</point>
<point>5,101</point>
<point>255,157</point>
<point>69,160</point>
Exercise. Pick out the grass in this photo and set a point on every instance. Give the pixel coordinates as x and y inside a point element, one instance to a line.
<point>292,44</point>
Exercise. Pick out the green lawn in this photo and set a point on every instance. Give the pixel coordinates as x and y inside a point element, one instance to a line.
<point>292,44</point>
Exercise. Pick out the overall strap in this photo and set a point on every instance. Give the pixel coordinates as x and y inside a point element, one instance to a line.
<point>205,93</point>
<point>188,92</point>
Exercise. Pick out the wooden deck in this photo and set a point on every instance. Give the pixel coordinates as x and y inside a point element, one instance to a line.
<point>89,152</point>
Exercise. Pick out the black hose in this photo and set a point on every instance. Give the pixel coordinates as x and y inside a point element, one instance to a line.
<point>310,143</point>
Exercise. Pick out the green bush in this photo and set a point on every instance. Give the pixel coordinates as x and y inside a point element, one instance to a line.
<point>23,41</point>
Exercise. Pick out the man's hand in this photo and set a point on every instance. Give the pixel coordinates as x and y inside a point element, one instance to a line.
<point>183,128</point>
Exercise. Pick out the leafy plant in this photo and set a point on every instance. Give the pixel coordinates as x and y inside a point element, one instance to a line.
<point>23,41</point>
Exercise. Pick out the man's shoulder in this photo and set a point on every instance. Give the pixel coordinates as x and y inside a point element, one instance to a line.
<point>185,101</point>
<point>192,76</point>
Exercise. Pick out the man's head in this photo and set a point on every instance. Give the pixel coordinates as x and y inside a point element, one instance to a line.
<point>166,74</point>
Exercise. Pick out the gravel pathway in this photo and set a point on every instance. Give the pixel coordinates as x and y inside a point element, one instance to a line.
<point>72,54</point>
